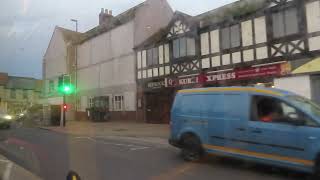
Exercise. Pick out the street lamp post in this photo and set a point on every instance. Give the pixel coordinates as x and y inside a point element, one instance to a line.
<point>76,21</point>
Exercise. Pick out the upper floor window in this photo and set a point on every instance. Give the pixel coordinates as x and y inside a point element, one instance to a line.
<point>230,37</point>
<point>285,23</point>
<point>184,47</point>
<point>13,93</point>
<point>51,86</point>
<point>152,56</point>
<point>25,94</point>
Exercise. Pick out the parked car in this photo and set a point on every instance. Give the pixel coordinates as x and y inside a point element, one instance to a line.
<point>263,125</point>
<point>5,121</point>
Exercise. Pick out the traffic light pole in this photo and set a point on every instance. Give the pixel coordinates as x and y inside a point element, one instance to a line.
<point>64,111</point>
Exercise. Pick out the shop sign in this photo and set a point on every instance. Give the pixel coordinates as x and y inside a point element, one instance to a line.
<point>269,70</point>
<point>155,85</point>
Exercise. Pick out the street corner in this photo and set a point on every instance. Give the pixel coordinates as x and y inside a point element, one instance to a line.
<point>11,171</point>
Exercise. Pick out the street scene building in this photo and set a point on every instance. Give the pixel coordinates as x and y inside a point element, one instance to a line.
<point>59,59</point>
<point>101,61</point>
<point>106,59</point>
<point>17,94</point>
<point>246,43</point>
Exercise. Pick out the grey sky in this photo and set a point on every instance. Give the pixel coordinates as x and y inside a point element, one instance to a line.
<point>26,26</point>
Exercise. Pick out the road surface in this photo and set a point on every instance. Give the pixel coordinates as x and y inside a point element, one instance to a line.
<point>51,155</point>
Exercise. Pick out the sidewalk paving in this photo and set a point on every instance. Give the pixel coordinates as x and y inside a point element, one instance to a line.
<point>125,129</point>
<point>12,171</point>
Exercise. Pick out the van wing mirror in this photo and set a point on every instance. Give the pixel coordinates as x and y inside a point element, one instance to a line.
<point>296,120</point>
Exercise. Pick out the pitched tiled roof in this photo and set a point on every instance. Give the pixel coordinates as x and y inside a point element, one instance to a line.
<point>22,83</point>
<point>162,33</point>
<point>114,22</point>
<point>69,35</point>
<point>227,12</point>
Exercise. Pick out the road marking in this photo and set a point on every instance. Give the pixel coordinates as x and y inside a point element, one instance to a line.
<point>132,147</point>
<point>4,160</point>
<point>7,172</point>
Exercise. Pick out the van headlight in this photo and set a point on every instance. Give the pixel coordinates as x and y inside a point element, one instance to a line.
<point>8,117</point>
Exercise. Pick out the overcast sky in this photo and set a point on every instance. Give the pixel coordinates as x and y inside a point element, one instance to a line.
<point>26,26</point>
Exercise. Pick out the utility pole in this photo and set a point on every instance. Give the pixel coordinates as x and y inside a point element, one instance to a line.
<point>75,69</point>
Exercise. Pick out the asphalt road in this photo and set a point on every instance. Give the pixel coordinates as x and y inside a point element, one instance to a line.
<point>51,155</point>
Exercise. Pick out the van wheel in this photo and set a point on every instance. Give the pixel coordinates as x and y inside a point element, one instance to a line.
<point>316,174</point>
<point>191,149</point>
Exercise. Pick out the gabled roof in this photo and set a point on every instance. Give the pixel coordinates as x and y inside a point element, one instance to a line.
<point>116,21</point>
<point>221,14</point>
<point>162,33</point>
<point>69,35</point>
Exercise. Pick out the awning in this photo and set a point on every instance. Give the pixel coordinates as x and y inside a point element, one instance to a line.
<point>312,66</point>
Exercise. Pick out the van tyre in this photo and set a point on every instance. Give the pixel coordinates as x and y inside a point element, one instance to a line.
<point>191,149</point>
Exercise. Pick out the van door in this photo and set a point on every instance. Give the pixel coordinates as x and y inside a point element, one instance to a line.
<point>271,130</point>
<point>226,115</point>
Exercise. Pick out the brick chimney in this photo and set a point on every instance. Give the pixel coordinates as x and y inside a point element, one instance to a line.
<point>105,16</point>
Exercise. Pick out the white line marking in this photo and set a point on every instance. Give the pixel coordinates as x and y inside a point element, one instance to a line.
<point>7,172</point>
<point>131,146</point>
<point>3,160</point>
<point>134,149</point>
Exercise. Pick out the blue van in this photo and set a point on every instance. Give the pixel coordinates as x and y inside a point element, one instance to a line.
<point>258,124</point>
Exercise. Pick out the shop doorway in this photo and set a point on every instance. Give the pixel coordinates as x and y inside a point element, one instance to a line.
<point>158,106</point>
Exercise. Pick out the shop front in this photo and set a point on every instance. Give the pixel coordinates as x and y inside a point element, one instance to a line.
<point>158,95</point>
<point>262,75</point>
<point>155,101</point>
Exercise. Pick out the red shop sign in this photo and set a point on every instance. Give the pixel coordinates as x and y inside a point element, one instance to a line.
<point>252,72</point>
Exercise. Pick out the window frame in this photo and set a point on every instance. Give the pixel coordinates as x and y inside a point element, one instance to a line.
<point>51,86</point>
<point>154,59</point>
<point>254,113</point>
<point>229,28</point>
<point>115,101</point>
<point>186,38</point>
<point>25,94</point>
<point>283,11</point>
<point>13,93</point>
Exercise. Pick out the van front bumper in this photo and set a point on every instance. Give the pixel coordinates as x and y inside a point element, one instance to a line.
<point>174,143</point>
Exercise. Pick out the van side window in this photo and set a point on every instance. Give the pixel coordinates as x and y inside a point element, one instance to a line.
<point>272,110</point>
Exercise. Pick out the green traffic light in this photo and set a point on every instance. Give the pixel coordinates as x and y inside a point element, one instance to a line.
<point>67,89</point>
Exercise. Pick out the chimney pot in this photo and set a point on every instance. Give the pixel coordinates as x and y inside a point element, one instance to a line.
<point>110,12</point>
<point>102,10</point>
<point>106,11</point>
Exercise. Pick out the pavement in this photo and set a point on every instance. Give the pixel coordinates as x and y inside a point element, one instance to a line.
<point>11,171</point>
<point>122,128</point>
<point>51,154</point>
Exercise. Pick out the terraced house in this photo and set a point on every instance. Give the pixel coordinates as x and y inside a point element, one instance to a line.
<point>18,93</point>
<point>247,43</point>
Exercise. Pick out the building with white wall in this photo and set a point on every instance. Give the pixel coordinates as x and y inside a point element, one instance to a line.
<point>106,59</point>
<point>59,59</point>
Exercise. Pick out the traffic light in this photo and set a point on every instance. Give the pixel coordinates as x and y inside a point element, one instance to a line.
<point>65,86</point>
<point>65,107</point>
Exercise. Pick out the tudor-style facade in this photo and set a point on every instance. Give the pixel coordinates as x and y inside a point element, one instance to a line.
<point>244,43</point>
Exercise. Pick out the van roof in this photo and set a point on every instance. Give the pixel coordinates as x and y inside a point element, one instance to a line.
<point>270,91</point>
